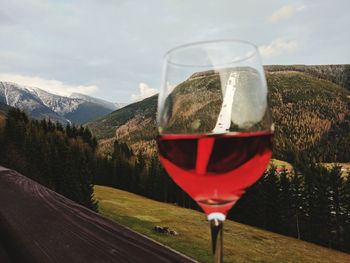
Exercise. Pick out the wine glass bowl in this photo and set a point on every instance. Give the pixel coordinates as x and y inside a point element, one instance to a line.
<point>214,123</point>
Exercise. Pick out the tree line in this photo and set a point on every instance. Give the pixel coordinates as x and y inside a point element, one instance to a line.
<point>61,158</point>
<point>311,203</point>
<point>65,160</point>
<point>140,175</point>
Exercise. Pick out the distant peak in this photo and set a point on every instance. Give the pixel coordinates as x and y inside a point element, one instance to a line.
<point>77,94</point>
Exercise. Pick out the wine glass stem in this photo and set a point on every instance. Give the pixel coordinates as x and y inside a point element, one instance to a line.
<point>216,227</point>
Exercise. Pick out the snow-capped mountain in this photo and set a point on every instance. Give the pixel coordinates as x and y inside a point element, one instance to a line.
<point>59,104</point>
<point>41,104</point>
<point>104,103</point>
<point>24,98</point>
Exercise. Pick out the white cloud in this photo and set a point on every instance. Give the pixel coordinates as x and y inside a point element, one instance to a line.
<point>282,13</point>
<point>278,47</point>
<point>301,8</point>
<point>50,85</point>
<point>144,92</point>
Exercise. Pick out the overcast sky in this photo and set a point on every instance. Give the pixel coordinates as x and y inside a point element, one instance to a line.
<point>113,49</point>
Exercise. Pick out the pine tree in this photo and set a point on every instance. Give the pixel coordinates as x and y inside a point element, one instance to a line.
<point>284,199</point>
<point>345,208</point>
<point>337,200</point>
<point>40,150</point>
<point>297,201</point>
<point>346,77</point>
<point>270,214</point>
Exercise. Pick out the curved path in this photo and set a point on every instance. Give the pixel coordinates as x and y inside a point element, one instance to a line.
<point>39,225</point>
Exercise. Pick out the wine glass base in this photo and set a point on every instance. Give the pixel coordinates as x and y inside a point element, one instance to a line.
<point>216,216</point>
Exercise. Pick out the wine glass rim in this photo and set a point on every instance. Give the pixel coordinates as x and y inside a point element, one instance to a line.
<point>197,43</point>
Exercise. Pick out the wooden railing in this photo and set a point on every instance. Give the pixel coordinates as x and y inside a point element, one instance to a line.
<point>39,225</point>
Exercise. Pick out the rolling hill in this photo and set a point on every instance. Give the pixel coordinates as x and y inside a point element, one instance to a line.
<point>338,74</point>
<point>311,115</point>
<point>242,243</point>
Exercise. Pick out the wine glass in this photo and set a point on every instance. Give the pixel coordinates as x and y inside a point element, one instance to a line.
<point>214,123</point>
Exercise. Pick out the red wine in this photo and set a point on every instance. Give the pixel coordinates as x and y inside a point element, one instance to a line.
<point>215,169</point>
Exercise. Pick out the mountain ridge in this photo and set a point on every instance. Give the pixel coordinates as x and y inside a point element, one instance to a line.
<point>320,98</point>
<point>106,104</point>
<point>41,104</point>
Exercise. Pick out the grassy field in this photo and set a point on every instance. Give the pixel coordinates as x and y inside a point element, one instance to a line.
<point>242,243</point>
<point>345,167</point>
<point>281,164</point>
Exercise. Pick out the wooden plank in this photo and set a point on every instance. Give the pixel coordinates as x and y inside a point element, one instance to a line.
<point>4,258</point>
<point>39,225</point>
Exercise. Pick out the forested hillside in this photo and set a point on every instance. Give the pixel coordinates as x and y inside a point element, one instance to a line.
<point>134,124</point>
<point>311,115</point>
<point>61,158</point>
